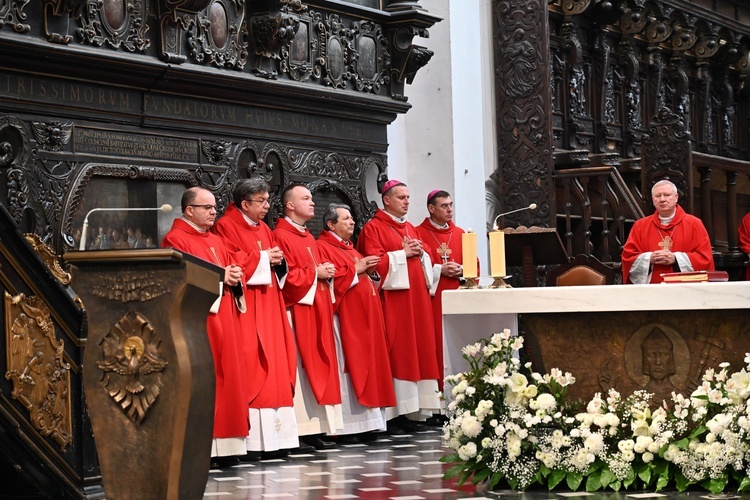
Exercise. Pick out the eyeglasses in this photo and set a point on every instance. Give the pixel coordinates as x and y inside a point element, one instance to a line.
<point>262,203</point>
<point>207,208</point>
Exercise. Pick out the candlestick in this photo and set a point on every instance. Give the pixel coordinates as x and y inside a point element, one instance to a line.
<point>469,254</point>
<point>497,254</point>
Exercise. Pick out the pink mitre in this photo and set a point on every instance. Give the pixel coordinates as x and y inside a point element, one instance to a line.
<point>388,185</point>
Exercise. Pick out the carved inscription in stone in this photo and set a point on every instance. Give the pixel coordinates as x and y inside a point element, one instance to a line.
<point>40,376</point>
<point>110,142</point>
<point>131,360</point>
<point>131,286</point>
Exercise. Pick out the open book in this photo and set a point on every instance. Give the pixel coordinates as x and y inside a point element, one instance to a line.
<point>693,276</point>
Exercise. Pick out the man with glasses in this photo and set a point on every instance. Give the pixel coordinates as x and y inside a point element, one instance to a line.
<point>272,354</point>
<point>190,234</point>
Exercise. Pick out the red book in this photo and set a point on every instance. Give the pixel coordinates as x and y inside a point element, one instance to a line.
<point>695,276</point>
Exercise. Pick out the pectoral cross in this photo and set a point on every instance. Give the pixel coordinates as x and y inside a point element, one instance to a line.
<point>666,243</point>
<point>445,252</point>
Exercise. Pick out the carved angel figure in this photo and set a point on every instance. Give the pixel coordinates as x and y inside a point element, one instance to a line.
<point>518,66</point>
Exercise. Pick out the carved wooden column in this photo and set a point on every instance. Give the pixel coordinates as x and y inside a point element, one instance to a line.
<point>524,129</point>
<point>666,155</point>
<point>148,369</point>
<point>706,212</point>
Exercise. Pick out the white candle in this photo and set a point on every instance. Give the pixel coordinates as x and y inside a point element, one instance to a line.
<point>469,253</point>
<point>497,254</point>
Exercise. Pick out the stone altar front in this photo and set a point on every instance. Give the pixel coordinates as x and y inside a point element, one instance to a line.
<point>660,338</point>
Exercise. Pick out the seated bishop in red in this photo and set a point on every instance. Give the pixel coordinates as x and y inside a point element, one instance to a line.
<point>668,241</point>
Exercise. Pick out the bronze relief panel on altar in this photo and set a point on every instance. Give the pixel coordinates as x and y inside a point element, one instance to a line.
<point>659,352</point>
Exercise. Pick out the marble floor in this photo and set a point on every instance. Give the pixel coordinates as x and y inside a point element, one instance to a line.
<point>402,467</point>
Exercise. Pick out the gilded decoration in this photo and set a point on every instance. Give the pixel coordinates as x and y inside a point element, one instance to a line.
<point>48,257</point>
<point>40,376</point>
<point>131,286</point>
<point>131,361</point>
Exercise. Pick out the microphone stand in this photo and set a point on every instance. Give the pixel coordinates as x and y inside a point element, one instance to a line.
<point>85,229</point>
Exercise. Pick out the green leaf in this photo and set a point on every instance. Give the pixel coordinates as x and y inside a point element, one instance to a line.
<point>574,480</point>
<point>607,478</point>
<point>744,484</point>
<point>697,432</point>
<point>681,482</point>
<point>615,485</point>
<point>716,486</point>
<point>662,482</point>
<point>453,457</point>
<point>554,478</point>
<point>496,478</point>
<point>682,443</point>
<point>454,471</point>
<point>481,476</point>
<point>593,481</point>
<point>645,475</point>
<point>543,471</point>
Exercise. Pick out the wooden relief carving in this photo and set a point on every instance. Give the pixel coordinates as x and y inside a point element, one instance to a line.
<point>131,286</point>
<point>298,59</point>
<point>36,366</point>
<point>218,36</point>
<point>336,52</point>
<point>48,257</point>
<point>666,154</point>
<point>522,90</point>
<point>57,15</point>
<point>12,14</point>
<point>130,363</point>
<point>116,23</point>
<point>370,67</point>
<point>176,17</point>
<point>52,136</point>
<point>272,32</point>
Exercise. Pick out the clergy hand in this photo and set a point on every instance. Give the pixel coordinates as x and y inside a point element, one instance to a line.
<point>275,255</point>
<point>451,270</point>
<point>326,270</point>
<point>367,264</point>
<point>662,257</point>
<point>232,275</point>
<point>413,248</point>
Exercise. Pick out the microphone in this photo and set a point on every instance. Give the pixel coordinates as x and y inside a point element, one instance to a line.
<point>82,246</point>
<point>530,207</point>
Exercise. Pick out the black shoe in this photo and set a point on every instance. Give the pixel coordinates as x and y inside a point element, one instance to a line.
<point>408,425</point>
<point>436,420</point>
<point>302,449</point>
<point>367,437</point>
<point>224,462</point>
<point>252,456</point>
<point>393,428</point>
<point>346,439</point>
<point>318,443</point>
<point>273,455</point>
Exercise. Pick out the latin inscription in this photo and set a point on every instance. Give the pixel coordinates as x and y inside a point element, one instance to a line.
<point>261,119</point>
<point>67,93</point>
<point>155,147</point>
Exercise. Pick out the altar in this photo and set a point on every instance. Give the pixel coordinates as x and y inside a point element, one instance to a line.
<point>659,338</point>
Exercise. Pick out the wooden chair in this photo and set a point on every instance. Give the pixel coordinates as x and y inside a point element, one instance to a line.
<point>582,270</point>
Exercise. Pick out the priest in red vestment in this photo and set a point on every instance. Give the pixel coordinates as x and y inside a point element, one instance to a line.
<point>406,271</point>
<point>668,241</point>
<point>190,234</point>
<point>744,233</point>
<point>444,239</point>
<point>308,297</point>
<point>271,352</point>
<point>359,311</point>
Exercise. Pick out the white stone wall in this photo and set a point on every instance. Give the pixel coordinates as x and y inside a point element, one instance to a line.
<point>447,140</point>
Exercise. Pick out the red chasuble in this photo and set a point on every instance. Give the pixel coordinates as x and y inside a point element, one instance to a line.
<point>408,313</point>
<point>443,242</point>
<point>224,333</point>
<point>313,324</point>
<point>362,326</point>
<point>272,353</point>
<point>744,233</point>
<point>685,233</point>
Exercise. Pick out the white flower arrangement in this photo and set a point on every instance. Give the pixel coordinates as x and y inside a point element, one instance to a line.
<point>511,426</point>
